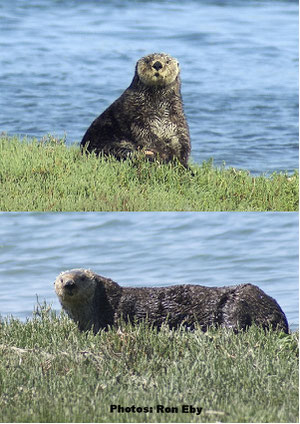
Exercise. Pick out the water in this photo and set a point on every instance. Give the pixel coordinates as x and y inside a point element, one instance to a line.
<point>64,62</point>
<point>140,249</point>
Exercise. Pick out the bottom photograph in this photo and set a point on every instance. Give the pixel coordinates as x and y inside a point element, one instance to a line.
<point>149,317</point>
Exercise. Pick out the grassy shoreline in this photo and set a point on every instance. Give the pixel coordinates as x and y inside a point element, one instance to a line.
<point>50,372</point>
<point>47,175</point>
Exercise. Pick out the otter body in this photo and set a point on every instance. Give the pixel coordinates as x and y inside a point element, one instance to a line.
<point>97,302</point>
<point>147,117</point>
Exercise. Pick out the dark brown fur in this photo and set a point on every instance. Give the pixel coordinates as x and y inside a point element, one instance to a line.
<point>235,307</point>
<point>147,117</point>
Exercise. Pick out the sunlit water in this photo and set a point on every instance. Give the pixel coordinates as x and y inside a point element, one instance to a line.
<point>142,249</point>
<point>64,62</point>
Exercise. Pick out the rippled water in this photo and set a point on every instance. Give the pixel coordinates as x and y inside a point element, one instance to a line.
<point>212,249</point>
<point>64,62</point>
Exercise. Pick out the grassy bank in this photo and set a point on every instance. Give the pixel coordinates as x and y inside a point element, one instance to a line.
<point>49,176</point>
<point>49,372</point>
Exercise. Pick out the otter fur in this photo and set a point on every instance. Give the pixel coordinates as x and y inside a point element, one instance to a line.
<point>147,117</point>
<point>96,302</point>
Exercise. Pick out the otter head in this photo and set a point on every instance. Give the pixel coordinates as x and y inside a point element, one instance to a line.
<point>75,287</point>
<point>157,69</point>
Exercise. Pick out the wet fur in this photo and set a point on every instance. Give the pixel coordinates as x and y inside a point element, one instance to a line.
<point>236,307</point>
<point>147,117</point>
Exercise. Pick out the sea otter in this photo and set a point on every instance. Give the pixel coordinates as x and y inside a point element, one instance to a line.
<point>147,117</point>
<point>96,302</point>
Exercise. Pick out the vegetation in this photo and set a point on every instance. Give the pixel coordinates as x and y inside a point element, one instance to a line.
<point>49,176</point>
<point>50,372</point>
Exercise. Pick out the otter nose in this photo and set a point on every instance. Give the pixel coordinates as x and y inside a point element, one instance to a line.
<point>69,284</point>
<point>157,65</point>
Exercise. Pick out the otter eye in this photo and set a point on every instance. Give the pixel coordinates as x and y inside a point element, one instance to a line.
<point>61,280</point>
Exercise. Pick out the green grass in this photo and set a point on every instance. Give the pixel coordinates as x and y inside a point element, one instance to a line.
<point>49,372</point>
<point>49,176</point>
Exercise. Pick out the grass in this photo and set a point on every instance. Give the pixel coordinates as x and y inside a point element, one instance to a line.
<point>47,175</point>
<point>50,372</point>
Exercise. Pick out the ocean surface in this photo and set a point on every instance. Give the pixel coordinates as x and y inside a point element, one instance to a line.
<point>63,62</point>
<point>148,249</point>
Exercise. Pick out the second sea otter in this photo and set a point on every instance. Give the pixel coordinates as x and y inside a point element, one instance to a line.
<point>96,302</point>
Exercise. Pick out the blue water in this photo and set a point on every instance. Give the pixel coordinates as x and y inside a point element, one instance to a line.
<point>140,249</point>
<point>64,62</point>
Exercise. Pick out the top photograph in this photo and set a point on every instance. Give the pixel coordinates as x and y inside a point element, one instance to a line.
<point>149,105</point>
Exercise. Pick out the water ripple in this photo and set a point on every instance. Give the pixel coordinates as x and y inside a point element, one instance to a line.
<point>63,63</point>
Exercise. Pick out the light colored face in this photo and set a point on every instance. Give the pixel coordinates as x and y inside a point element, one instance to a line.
<point>157,69</point>
<point>75,286</point>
